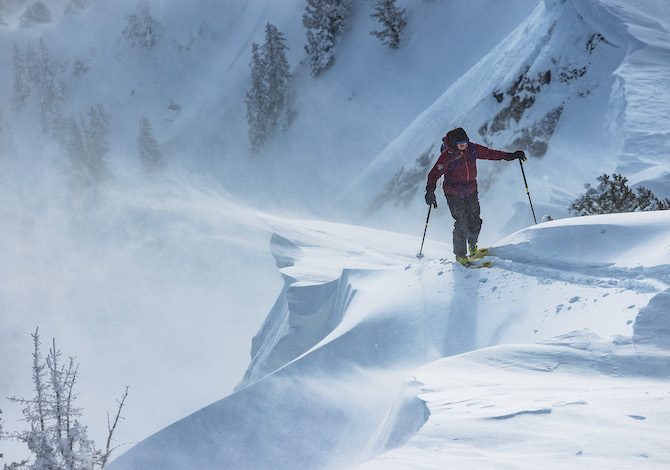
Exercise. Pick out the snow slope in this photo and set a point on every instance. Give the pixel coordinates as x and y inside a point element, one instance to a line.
<point>581,86</point>
<point>641,97</point>
<point>576,401</point>
<point>330,383</point>
<point>160,253</point>
<point>191,85</point>
<point>149,266</point>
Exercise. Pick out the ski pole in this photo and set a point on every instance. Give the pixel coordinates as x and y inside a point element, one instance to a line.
<point>419,255</point>
<point>527,191</point>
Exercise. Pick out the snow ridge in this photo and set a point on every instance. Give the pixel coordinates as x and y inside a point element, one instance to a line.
<point>305,312</point>
<point>513,342</point>
<point>485,403</point>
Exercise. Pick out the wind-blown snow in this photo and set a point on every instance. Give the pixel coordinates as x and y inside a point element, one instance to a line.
<point>140,290</point>
<point>575,401</point>
<point>643,93</point>
<point>178,275</point>
<point>341,399</point>
<point>160,283</point>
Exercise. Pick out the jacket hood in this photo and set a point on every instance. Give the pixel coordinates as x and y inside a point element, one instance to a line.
<point>455,135</point>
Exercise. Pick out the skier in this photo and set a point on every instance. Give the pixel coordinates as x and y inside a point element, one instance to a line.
<point>458,163</point>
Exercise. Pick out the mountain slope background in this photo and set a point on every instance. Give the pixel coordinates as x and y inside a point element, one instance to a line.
<point>191,84</point>
<point>564,86</point>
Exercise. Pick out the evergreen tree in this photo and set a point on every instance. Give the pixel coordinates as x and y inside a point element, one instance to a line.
<point>141,29</point>
<point>36,13</point>
<point>96,142</point>
<point>325,21</point>
<point>87,147</point>
<point>43,72</point>
<point>392,20</point>
<point>21,86</point>
<point>647,201</point>
<point>269,100</point>
<point>150,154</point>
<point>96,131</point>
<point>73,142</point>
<point>1,432</point>
<point>257,100</point>
<point>613,195</point>
<point>277,75</point>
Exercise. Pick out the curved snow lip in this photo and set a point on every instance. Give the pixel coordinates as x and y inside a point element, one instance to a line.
<point>317,262</point>
<point>302,316</point>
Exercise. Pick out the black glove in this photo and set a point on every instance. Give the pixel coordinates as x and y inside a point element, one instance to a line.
<point>430,198</point>
<point>519,154</point>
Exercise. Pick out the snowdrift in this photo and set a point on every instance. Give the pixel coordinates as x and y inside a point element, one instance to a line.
<point>576,401</point>
<point>365,313</point>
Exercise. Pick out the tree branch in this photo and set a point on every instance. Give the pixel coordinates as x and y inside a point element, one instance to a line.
<point>111,428</point>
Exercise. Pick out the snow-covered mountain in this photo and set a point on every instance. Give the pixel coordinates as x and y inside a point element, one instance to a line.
<point>579,85</point>
<point>154,263</point>
<point>190,75</point>
<point>573,321</point>
<point>368,356</point>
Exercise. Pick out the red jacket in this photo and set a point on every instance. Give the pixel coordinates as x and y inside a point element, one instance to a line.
<point>460,168</point>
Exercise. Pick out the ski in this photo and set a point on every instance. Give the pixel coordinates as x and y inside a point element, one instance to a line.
<point>475,261</point>
<point>479,254</point>
<point>476,264</point>
<point>485,264</point>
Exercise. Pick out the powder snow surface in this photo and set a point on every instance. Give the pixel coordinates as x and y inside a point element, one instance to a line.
<point>556,355</point>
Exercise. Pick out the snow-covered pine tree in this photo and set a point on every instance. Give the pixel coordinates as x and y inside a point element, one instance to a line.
<point>1,432</point>
<point>257,100</point>
<point>86,146</point>
<point>56,438</point>
<point>73,142</point>
<point>36,13</point>
<point>21,86</point>
<point>647,201</point>
<point>325,21</point>
<point>44,71</point>
<point>96,143</point>
<point>392,20</point>
<point>269,100</point>
<point>613,195</point>
<point>150,154</point>
<point>142,29</point>
<point>277,76</point>
<point>616,195</point>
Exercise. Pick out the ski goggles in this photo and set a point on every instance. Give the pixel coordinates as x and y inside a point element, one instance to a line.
<point>459,142</point>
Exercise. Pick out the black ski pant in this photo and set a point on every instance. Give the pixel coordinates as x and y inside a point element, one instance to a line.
<point>467,223</point>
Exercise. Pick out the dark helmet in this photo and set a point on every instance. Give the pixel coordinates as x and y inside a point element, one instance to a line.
<point>456,135</point>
